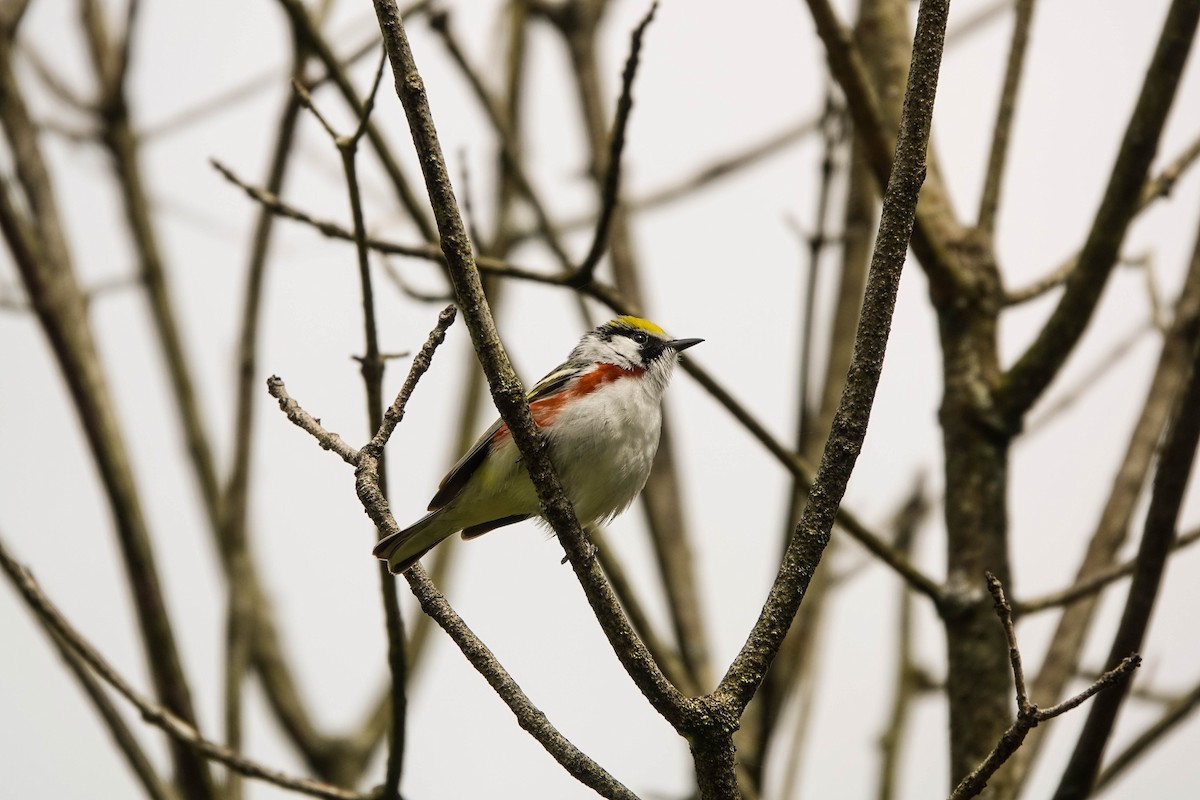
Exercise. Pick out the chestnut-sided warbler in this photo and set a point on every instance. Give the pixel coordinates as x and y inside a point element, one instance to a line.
<point>600,415</point>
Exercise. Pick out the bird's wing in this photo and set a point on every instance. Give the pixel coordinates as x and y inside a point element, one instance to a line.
<point>461,472</point>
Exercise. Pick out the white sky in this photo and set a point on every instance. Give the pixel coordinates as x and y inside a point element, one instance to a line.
<point>724,266</point>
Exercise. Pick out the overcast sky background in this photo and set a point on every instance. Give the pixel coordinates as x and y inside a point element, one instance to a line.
<point>724,265</point>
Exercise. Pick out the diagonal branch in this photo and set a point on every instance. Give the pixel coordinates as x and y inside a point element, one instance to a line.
<point>155,787</point>
<point>1170,484</point>
<point>177,728</point>
<point>1111,530</point>
<point>1028,378</point>
<point>989,201</point>
<point>850,423</point>
<point>1089,586</point>
<point>848,67</point>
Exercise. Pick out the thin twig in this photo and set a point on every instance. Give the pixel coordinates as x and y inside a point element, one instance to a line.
<point>609,194</point>
<point>372,364</point>
<point>1028,714</point>
<point>307,422</point>
<point>1089,586</point>
<point>420,366</point>
<point>1025,382</point>
<point>989,200</point>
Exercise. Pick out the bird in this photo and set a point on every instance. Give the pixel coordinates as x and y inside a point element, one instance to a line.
<point>600,415</point>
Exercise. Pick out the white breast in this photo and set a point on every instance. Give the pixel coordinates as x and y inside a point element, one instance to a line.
<point>603,445</point>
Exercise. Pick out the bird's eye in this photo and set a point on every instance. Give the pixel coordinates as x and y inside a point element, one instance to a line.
<point>640,337</point>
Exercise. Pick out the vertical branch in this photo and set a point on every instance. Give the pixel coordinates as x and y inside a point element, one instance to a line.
<point>498,246</point>
<point>239,616</point>
<point>371,365</point>
<point>989,200</point>
<point>849,424</point>
<point>326,756</point>
<point>43,260</point>
<point>907,683</point>
<point>1170,483</point>
<point>1066,647</point>
<point>307,33</point>
<point>372,372</point>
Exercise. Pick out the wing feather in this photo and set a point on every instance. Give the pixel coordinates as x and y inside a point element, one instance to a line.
<point>458,476</point>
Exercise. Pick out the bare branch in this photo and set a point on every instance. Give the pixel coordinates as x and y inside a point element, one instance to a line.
<point>1113,521</point>
<point>1028,714</point>
<point>1036,368</point>
<point>178,729</point>
<point>612,177</point>
<point>849,426</point>
<point>155,787</point>
<point>1178,712</point>
<point>307,422</point>
<point>1090,586</point>
<point>420,366</point>
<point>44,261</point>
<point>1156,188</point>
<point>306,29</point>
<point>1170,483</point>
<point>990,199</point>
<point>509,151</point>
<point>862,102</point>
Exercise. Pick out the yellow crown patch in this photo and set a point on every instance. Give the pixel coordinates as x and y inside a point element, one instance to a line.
<point>644,324</point>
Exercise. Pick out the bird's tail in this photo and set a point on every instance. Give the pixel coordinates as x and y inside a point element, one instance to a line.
<point>404,548</point>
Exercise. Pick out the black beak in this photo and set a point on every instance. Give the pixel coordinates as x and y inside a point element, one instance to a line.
<point>679,345</point>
